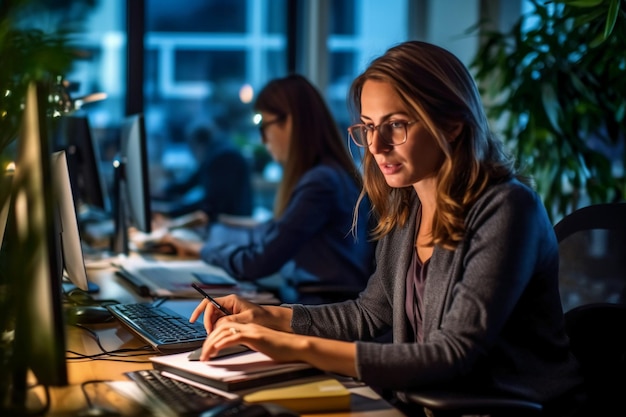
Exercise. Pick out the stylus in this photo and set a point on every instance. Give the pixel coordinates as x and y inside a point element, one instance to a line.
<point>211,299</point>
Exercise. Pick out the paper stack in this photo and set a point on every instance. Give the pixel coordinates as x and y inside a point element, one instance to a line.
<point>235,372</point>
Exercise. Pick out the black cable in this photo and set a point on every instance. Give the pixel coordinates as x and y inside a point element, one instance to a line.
<point>123,353</point>
<point>90,404</point>
<point>78,297</point>
<point>103,357</point>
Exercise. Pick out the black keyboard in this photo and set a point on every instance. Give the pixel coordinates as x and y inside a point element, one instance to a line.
<point>165,330</point>
<point>177,398</point>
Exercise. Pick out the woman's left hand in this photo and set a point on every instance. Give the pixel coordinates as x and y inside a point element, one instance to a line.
<point>280,346</point>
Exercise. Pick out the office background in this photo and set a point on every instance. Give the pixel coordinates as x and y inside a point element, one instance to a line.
<point>202,61</point>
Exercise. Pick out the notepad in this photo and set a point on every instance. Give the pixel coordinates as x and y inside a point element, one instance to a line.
<point>235,372</point>
<point>312,397</point>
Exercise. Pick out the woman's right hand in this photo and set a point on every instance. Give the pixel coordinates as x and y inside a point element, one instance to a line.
<point>243,311</point>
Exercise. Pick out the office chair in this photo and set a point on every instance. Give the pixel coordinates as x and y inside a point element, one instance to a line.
<point>597,324</point>
<point>591,248</point>
<point>605,216</point>
<point>597,333</point>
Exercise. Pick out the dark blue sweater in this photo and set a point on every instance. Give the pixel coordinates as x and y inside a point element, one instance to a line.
<point>310,242</point>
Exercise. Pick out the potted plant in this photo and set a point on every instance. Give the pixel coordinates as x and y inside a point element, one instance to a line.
<point>558,92</point>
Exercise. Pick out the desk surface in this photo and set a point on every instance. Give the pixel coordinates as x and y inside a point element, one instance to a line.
<point>70,400</point>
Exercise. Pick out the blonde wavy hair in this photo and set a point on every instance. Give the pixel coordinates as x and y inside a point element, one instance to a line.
<point>440,91</point>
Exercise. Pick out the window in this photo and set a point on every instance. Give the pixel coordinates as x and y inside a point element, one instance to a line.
<point>202,55</point>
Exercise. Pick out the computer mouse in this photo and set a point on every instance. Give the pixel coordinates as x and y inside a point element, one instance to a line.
<point>89,315</point>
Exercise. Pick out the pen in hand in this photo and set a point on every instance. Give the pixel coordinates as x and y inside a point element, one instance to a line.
<point>211,299</point>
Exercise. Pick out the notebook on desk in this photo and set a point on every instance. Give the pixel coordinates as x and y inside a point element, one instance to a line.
<point>233,372</point>
<point>173,279</point>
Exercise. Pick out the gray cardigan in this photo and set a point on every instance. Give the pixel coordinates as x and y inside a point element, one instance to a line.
<point>492,313</point>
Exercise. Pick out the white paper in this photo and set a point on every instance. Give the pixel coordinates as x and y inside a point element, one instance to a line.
<point>230,368</point>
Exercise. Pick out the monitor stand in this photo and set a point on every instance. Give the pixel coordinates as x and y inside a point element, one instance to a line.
<point>68,286</point>
<point>119,240</point>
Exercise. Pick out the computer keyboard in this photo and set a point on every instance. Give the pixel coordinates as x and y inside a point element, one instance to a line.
<point>177,398</point>
<point>165,330</point>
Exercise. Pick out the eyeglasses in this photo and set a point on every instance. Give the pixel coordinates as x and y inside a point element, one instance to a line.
<point>392,133</point>
<point>263,125</point>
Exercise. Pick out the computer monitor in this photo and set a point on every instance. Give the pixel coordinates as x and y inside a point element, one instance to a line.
<point>73,134</point>
<point>131,183</point>
<point>65,209</point>
<point>33,263</point>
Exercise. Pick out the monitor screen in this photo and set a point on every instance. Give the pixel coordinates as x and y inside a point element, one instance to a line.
<point>73,134</point>
<point>131,184</point>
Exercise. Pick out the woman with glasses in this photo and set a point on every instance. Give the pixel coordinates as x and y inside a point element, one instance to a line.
<point>311,245</point>
<point>466,260</point>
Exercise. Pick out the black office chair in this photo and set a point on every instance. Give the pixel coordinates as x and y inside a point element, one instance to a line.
<point>593,273</point>
<point>606,216</point>
<point>591,247</point>
<point>456,404</point>
<point>597,332</point>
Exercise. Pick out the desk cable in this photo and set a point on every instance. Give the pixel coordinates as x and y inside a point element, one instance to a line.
<point>119,355</point>
<point>78,297</point>
<point>92,409</point>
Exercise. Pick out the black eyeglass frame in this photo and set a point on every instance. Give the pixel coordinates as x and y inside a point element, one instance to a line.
<point>264,125</point>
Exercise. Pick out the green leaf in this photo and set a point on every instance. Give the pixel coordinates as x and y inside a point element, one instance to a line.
<point>611,17</point>
<point>597,40</point>
<point>551,105</point>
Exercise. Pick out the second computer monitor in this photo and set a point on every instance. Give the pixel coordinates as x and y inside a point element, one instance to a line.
<point>74,135</point>
<point>131,183</point>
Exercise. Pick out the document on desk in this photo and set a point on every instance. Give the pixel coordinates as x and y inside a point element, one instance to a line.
<point>161,278</point>
<point>235,372</point>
